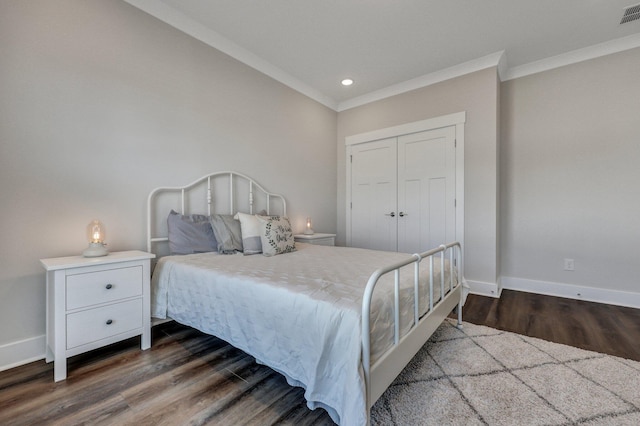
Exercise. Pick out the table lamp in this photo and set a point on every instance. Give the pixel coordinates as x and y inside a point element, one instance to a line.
<point>307,229</point>
<point>96,235</point>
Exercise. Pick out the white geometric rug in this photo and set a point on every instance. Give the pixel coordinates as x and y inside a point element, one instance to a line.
<point>483,376</point>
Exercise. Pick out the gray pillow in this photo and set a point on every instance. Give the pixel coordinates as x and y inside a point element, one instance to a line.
<point>190,234</point>
<point>227,232</point>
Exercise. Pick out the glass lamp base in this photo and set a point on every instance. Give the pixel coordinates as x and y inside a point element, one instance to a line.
<point>95,250</point>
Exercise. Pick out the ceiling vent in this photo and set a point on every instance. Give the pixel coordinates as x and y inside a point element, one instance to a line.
<point>631,13</point>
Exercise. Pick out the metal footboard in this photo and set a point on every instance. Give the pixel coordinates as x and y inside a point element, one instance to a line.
<point>380,375</point>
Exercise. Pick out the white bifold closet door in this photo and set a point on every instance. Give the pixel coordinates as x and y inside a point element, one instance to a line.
<point>403,192</point>
<point>374,195</point>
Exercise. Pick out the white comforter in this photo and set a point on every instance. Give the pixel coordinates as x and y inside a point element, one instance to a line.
<point>299,313</point>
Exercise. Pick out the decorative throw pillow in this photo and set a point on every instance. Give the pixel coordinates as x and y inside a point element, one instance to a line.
<point>250,228</point>
<point>276,235</point>
<point>227,232</point>
<point>190,234</point>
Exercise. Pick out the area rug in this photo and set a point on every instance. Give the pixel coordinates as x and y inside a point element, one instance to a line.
<point>482,376</point>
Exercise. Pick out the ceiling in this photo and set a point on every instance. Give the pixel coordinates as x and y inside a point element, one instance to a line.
<point>390,46</point>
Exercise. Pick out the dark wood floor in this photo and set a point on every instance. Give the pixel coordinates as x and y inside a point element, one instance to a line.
<point>609,329</point>
<point>191,378</point>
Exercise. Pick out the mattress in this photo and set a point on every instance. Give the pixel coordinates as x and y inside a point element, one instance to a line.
<point>299,313</point>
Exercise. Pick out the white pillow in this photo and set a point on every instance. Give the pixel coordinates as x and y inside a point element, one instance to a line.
<point>250,228</point>
<point>276,235</point>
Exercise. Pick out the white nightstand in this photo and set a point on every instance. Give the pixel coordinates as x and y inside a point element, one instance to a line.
<point>319,239</point>
<point>92,302</point>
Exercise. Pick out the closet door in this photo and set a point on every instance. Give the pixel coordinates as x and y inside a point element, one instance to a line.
<point>426,189</point>
<point>373,195</point>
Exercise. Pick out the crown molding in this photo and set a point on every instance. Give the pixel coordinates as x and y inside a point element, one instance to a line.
<point>573,57</point>
<point>492,60</point>
<point>187,25</point>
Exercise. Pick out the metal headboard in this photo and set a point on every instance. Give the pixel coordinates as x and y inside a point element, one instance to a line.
<point>212,191</point>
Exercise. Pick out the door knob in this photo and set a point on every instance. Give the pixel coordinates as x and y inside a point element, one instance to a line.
<point>392,214</point>
<point>403,214</point>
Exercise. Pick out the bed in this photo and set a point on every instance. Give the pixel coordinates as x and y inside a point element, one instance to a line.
<point>309,312</point>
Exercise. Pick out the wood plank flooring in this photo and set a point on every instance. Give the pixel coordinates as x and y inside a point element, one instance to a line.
<point>609,329</point>
<point>188,377</point>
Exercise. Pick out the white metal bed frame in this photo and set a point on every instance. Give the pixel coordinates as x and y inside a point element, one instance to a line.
<point>379,375</point>
<point>183,190</point>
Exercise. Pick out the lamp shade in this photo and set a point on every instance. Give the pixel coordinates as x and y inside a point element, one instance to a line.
<point>96,232</point>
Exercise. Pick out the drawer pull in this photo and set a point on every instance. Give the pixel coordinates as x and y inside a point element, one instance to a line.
<point>109,322</point>
<point>109,286</point>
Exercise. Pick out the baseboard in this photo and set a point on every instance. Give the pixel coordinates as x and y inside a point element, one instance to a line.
<point>572,291</point>
<point>484,289</point>
<point>22,352</point>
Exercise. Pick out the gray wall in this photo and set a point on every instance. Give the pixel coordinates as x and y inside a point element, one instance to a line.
<point>477,94</point>
<point>99,104</point>
<point>570,173</point>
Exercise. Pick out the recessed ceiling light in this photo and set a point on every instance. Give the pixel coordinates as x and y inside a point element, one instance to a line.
<point>347,82</point>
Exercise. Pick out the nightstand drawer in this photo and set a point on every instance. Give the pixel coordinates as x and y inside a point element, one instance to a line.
<point>104,286</point>
<point>99,323</point>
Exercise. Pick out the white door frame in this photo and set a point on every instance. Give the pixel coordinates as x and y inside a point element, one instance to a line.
<point>456,119</point>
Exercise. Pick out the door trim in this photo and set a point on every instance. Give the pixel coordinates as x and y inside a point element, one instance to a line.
<point>408,128</point>
<point>456,119</point>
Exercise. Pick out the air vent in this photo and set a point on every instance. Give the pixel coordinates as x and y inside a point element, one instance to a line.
<point>631,13</point>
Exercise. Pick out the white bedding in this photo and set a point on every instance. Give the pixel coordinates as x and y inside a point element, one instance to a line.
<point>299,313</point>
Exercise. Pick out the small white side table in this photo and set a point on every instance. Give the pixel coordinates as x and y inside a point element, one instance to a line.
<point>96,301</point>
<point>317,238</point>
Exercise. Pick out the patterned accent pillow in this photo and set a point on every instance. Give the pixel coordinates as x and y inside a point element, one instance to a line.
<point>276,235</point>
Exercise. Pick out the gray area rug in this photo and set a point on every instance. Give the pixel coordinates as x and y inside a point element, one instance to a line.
<point>483,376</point>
